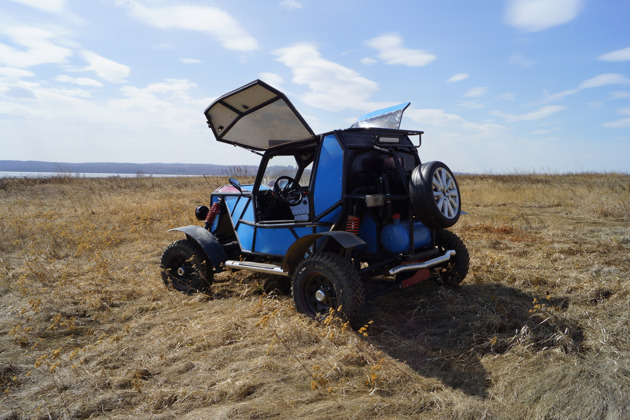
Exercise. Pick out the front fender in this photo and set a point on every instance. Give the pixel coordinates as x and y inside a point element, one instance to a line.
<point>296,252</point>
<point>208,242</point>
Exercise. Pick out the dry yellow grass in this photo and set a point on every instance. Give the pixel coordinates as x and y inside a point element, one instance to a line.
<point>539,329</point>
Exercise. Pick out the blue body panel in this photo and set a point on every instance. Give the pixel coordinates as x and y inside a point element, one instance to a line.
<point>240,207</point>
<point>263,238</point>
<point>328,182</point>
<point>277,241</point>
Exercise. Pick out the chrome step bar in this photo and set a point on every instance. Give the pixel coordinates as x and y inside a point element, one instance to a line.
<point>276,269</point>
<point>255,266</point>
<point>424,264</point>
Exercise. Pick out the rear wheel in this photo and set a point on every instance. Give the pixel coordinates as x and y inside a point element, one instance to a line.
<point>327,281</point>
<point>186,268</point>
<point>456,269</point>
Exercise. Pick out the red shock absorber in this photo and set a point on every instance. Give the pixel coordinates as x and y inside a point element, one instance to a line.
<point>352,224</point>
<point>212,214</point>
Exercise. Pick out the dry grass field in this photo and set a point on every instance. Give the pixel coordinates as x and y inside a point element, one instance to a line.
<point>540,328</point>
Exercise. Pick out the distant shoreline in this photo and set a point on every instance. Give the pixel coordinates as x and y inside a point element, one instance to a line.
<point>25,168</point>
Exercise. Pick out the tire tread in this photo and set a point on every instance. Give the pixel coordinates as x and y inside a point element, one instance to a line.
<point>351,293</point>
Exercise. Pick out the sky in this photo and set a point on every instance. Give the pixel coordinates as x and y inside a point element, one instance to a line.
<point>498,86</point>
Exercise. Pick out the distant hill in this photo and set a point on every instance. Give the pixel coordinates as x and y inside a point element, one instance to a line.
<point>126,168</point>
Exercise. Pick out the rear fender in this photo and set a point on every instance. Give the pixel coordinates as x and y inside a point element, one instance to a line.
<point>208,242</point>
<point>296,252</point>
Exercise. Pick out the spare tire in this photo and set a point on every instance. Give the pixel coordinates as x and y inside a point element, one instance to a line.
<point>434,195</point>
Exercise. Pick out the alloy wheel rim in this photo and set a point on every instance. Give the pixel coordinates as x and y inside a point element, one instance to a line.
<point>445,193</point>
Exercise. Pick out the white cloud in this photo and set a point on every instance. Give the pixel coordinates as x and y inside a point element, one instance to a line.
<point>105,68</point>
<point>520,60</point>
<point>53,125</point>
<point>552,97</point>
<point>16,93</point>
<point>543,131</point>
<point>207,19</point>
<point>332,86</point>
<point>605,79</point>
<point>476,92</point>
<point>291,4</point>
<point>272,78</point>
<point>472,105</point>
<point>595,104</point>
<point>165,46</point>
<point>537,15</point>
<point>8,73</point>
<point>81,81</point>
<point>45,5</point>
<point>155,97</point>
<point>619,94</point>
<point>458,77</point>
<point>621,123</point>
<point>597,81</point>
<point>434,116</point>
<point>37,47</point>
<point>618,55</point>
<point>368,61</point>
<point>538,114</point>
<point>12,86</point>
<point>440,118</point>
<point>189,60</point>
<point>392,52</point>
<point>507,96</point>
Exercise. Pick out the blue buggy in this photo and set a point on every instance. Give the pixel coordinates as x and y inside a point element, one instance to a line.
<point>326,213</point>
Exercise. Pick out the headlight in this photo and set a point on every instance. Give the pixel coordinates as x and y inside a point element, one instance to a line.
<point>389,140</point>
<point>201,212</point>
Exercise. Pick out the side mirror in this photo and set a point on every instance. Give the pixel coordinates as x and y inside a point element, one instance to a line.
<point>234,182</point>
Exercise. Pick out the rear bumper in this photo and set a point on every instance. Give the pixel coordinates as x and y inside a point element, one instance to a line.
<point>424,264</point>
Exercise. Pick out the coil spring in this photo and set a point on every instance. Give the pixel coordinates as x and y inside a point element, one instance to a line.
<point>212,214</point>
<point>352,224</point>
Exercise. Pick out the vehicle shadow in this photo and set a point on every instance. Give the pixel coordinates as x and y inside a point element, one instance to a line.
<point>444,333</point>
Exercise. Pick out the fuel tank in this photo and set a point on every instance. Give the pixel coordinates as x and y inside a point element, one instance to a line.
<point>395,236</point>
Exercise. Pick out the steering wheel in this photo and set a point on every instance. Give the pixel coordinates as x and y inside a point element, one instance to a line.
<point>289,192</point>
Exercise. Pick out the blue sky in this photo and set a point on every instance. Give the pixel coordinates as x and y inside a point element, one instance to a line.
<point>497,86</point>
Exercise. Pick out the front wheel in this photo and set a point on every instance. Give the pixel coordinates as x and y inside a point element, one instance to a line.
<point>186,268</point>
<point>327,281</point>
<point>456,269</point>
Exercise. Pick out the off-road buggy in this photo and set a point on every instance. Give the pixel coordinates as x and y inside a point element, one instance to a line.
<point>327,213</point>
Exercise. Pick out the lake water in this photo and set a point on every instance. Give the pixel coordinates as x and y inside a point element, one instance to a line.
<point>12,174</point>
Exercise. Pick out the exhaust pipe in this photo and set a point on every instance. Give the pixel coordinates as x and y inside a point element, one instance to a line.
<point>424,264</point>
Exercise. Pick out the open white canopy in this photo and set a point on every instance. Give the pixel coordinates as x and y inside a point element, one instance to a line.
<point>256,116</point>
